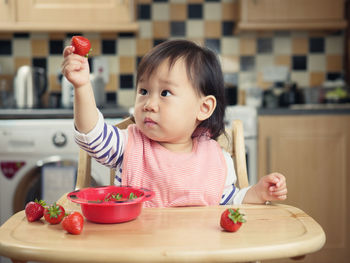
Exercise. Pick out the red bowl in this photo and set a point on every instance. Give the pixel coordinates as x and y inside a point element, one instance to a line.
<point>98,206</point>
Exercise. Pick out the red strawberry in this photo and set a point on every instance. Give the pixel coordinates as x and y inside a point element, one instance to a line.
<point>231,220</point>
<point>113,197</point>
<point>34,210</point>
<point>73,223</point>
<point>54,214</point>
<point>82,46</point>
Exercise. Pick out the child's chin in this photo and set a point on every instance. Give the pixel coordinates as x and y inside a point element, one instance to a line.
<point>148,132</point>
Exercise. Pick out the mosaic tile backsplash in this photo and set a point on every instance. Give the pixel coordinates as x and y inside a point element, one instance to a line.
<point>311,57</point>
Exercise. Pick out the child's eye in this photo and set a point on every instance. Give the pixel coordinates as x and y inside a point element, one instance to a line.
<point>165,93</point>
<point>143,92</point>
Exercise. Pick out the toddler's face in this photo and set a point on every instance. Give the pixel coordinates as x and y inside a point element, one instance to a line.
<point>167,105</point>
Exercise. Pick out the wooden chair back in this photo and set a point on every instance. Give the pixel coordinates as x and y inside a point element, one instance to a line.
<point>233,143</point>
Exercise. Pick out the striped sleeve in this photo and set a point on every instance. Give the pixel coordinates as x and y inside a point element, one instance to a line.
<point>232,195</point>
<point>105,143</point>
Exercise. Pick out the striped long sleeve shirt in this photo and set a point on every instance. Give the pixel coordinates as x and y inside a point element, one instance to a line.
<point>106,144</point>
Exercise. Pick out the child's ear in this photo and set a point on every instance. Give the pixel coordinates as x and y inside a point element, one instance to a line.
<point>207,107</point>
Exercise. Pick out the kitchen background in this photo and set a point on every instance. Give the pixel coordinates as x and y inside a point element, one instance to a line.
<point>311,57</point>
<point>267,65</point>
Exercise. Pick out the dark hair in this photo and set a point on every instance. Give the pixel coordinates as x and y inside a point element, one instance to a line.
<point>203,70</point>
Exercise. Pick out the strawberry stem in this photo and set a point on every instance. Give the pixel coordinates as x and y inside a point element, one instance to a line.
<point>54,211</point>
<point>87,55</point>
<point>40,202</point>
<point>236,216</point>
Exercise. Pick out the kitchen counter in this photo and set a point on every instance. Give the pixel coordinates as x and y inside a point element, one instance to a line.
<point>120,112</point>
<point>307,109</point>
<point>109,112</point>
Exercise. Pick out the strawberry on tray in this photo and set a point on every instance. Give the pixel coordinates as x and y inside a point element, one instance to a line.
<point>34,210</point>
<point>54,214</point>
<point>73,223</point>
<point>231,220</point>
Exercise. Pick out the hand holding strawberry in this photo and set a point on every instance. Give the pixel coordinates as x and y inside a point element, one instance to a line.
<point>34,210</point>
<point>75,68</point>
<point>54,214</point>
<point>73,223</point>
<point>231,220</point>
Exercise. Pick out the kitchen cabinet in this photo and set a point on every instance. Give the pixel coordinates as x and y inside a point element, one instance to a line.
<point>67,15</point>
<point>291,15</point>
<point>347,46</point>
<point>7,14</point>
<point>313,152</point>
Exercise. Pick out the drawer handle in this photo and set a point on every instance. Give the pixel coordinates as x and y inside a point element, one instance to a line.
<point>268,155</point>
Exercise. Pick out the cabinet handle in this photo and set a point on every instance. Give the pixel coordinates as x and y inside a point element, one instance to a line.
<point>268,155</point>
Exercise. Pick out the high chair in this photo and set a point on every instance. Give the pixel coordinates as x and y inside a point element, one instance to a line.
<point>178,235</point>
<point>233,143</point>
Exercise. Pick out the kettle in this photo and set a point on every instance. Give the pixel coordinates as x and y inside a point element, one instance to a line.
<point>98,87</point>
<point>29,86</point>
<point>67,98</point>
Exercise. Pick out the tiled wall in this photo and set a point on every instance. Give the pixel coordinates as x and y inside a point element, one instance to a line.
<point>312,57</point>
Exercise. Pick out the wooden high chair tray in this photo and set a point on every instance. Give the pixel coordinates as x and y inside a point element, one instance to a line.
<point>190,234</point>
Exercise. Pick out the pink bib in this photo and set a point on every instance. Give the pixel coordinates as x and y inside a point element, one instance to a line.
<point>178,179</point>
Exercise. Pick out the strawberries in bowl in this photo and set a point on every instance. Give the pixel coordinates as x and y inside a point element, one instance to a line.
<point>111,204</point>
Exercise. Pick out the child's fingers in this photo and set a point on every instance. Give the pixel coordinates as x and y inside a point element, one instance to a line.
<point>278,186</point>
<point>70,68</point>
<point>278,197</point>
<point>283,191</point>
<point>74,58</point>
<point>282,197</point>
<point>276,179</point>
<point>68,50</point>
<point>76,61</point>
<point>281,182</point>
<point>68,54</point>
<point>272,178</point>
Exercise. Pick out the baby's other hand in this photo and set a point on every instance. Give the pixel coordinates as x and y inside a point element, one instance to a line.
<point>273,187</point>
<point>75,68</point>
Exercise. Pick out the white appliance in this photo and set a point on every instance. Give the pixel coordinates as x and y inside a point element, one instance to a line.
<point>35,153</point>
<point>29,86</point>
<point>98,87</point>
<point>67,96</point>
<point>248,115</point>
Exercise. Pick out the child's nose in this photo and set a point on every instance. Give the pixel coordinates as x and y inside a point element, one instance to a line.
<point>151,105</point>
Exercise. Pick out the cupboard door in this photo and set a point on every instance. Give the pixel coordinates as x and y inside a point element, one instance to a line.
<point>291,14</point>
<point>7,11</point>
<point>313,152</point>
<point>78,14</point>
<point>285,10</point>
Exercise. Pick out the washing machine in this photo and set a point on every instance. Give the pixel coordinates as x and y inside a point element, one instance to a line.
<point>38,159</point>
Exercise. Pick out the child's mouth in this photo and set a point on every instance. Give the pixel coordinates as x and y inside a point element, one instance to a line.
<point>149,122</point>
